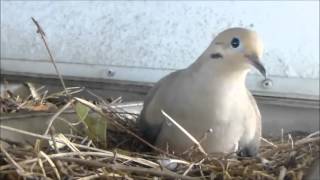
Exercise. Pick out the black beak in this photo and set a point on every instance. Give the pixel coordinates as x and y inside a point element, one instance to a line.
<point>255,62</point>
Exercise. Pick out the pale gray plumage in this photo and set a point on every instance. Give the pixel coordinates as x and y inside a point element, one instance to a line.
<point>210,93</point>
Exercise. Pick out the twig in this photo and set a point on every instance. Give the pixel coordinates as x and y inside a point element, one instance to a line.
<point>56,115</point>
<point>266,176</point>
<point>25,102</point>
<point>188,169</point>
<point>33,91</point>
<point>185,132</point>
<point>282,173</point>
<point>69,144</point>
<point>202,139</point>
<point>32,167</point>
<point>106,154</point>
<point>313,134</point>
<point>200,167</point>
<point>51,164</point>
<point>19,169</point>
<point>265,140</point>
<point>117,100</point>
<point>120,167</point>
<point>219,162</point>
<point>95,176</point>
<point>90,105</point>
<point>282,132</point>
<point>98,97</point>
<point>41,166</point>
<point>30,115</point>
<point>62,93</point>
<point>42,114</point>
<point>291,141</point>
<point>44,96</point>
<point>53,140</point>
<point>307,140</point>
<point>290,145</point>
<point>137,160</point>
<point>43,35</point>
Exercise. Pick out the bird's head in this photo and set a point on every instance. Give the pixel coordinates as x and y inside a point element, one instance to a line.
<point>238,47</point>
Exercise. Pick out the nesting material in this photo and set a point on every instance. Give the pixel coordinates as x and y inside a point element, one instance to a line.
<point>127,156</point>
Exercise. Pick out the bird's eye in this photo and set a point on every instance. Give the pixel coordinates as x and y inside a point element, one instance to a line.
<point>235,42</point>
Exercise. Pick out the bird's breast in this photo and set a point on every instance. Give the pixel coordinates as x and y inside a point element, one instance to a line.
<point>208,101</point>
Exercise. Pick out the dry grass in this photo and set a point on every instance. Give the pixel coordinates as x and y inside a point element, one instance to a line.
<point>127,156</point>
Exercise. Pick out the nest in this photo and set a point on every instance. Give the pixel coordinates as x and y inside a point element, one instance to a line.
<point>123,154</point>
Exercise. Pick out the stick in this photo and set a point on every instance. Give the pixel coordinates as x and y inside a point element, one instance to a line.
<point>56,115</point>
<point>120,167</point>
<point>20,170</point>
<point>33,91</point>
<point>185,132</point>
<point>137,160</point>
<point>282,173</point>
<point>313,134</point>
<point>51,164</point>
<point>265,140</point>
<point>97,154</point>
<point>43,35</point>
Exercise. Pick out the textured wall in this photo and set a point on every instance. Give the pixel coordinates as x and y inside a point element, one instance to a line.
<point>166,35</point>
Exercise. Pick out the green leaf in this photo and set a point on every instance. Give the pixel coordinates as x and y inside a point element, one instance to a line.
<point>82,111</point>
<point>96,126</point>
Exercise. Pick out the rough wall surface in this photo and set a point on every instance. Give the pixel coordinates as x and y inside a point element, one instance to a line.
<point>160,35</point>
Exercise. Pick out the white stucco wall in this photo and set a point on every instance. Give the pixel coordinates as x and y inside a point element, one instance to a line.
<point>151,35</point>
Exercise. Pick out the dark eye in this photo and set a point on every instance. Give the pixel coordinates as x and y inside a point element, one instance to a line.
<point>235,42</point>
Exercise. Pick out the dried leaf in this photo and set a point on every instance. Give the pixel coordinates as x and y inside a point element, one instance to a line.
<point>48,107</point>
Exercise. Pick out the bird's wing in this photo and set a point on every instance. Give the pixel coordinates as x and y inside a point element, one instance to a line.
<point>258,117</point>
<point>153,91</point>
<point>250,147</point>
<point>150,132</point>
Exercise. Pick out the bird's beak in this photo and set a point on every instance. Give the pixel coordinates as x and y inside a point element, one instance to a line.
<point>255,62</point>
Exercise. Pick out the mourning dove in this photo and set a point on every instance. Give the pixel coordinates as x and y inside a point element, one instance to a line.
<point>209,94</point>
